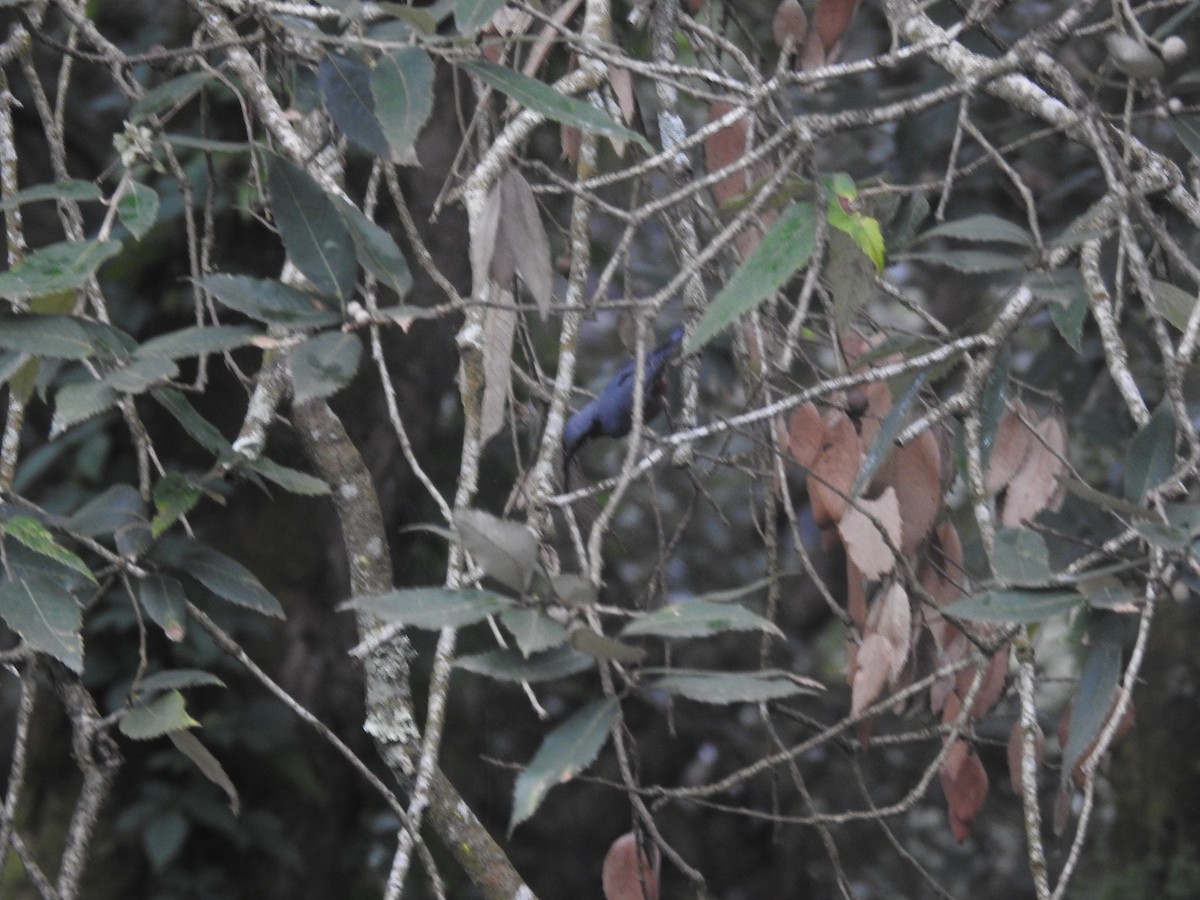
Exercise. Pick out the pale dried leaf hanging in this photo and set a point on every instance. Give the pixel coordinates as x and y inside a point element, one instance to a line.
<point>872,665</point>
<point>499,327</point>
<point>833,475</point>
<point>525,239</point>
<point>864,541</point>
<point>1036,485</point>
<point>1009,449</point>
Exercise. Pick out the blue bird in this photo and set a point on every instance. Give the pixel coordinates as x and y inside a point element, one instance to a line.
<point>611,413</point>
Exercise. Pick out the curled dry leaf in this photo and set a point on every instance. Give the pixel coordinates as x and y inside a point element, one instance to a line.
<point>992,688</point>
<point>806,434</point>
<point>916,475</point>
<point>833,474</point>
<point>965,784</point>
<point>790,22</point>
<point>1009,449</point>
<point>1036,485</point>
<point>724,148</point>
<point>1016,743</point>
<point>831,20</point>
<point>940,572</point>
<point>865,543</point>
<point>891,616</point>
<point>628,873</point>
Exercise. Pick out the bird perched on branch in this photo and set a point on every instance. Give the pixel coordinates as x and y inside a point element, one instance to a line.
<point>611,413</point>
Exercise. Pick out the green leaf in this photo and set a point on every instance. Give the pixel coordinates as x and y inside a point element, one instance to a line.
<point>728,687</point>
<point>844,213</point>
<point>784,249</point>
<point>402,82</point>
<point>1020,557</point>
<point>176,679</point>
<point>504,549</point>
<point>992,402</point>
<point>163,838</point>
<point>982,227</point>
<point>1173,303</point>
<point>165,603</point>
<point>313,232</point>
<point>118,511</point>
<point>1098,682</point>
<point>26,564</point>
<point>158,717</point>
<point>1151,454</point>
<point>346,89</point>
<point>290,480</point>
<point>80,401</point>
<point>58,267</point>
<point>270,301</point>
<point>851,277</point>
<point>896,419</point>
<point>1188,132</point>
<point>59,337</point>
<point>431,608</point>
<point>567,750</point>
<point>542,98</point>
<point>511,665</point>
<point>901,232</point>
<point>174,496</point>
<point>72,189</point>
<point>697,618</point>
<point>377,252</point>
<point>198,339</point>
<point>970,261</point>
<point>168,94</point>
<point>1069,320</point>
<point>324,364</point>
<point>599,646</point>
<point>532,629</point>
<point>229,580</point>
<point>46,617</point>
<point>141,375</point>
<point>34,535</point>
<point>203,431</point>
<point>471,15</point>
<point>189,745</point>
<point>138,209</point>
<point>1013,605</point>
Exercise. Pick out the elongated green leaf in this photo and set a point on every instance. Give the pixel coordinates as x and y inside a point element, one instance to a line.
<point>163,838</point>
<point>783,250</point>
<point>58,267</point>
<point>532,629</point>
<point>1188,132</point>
<point>567,750</point>
<point>600,646</point>
<point>1069,319</point>
<point>59,337</point>
<point>229,580</point>
<point>313,232</point>
<point>697,618</point>
<point>177,679</point>
<point>203,431</point>
<point>141,374</point>
<point>992,402</point>
<point>168,94</point>
<point>291,480</point>
<point>504,549</point>
<point>118,511</point>
<point>901,231</point>
<point>1097,684</point>
<point>982,227</point>
<point>896,419</point>
<point>511,665</point>
<point>46,617</point>
<point>728,687</point>
<point>1013,605</point>
<point>402,82</point>
<point>1151,454</point>
<point>377,252</point>
<point>80,401</point>
<point>156,718</point>
<point>174,496</point>
<point>324,364</point>
<point>198,339</point>
<point>1174,303</point>
<point>471,15</point>
<point>345,84</point>
<point>270,301</point>
<point>34,535</point>
<point>189,745</point>
<point>165,603</point>
<point>970,261</point>
<point>1020,557</point>
<point>25,564</point>
<point>72,189</point>
<point>542,98</point>
<point>431,608</point>
<point>138,209</point>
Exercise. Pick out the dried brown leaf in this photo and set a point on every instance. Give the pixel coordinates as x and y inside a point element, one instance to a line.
<point>1036,485</point>
<point>813,54</point>
<point>872,665</point>
<point>1009,449</point>
<point>856,596</point>
<point>917,479</point>
<point>864,541</point>
<point>499,326</point>
<point>833,474</point>
<point>965,784</point>
<point>789,22</point>
<point>891,616</point>
<point>622,85</point>
<point>832,19</point>
<point>806,434</point>
<point>724,148</point>
<point>628,873</point>
<point>525,239</point>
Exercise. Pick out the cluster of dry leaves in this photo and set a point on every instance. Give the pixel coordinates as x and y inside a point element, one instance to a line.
<point>897,535</point>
